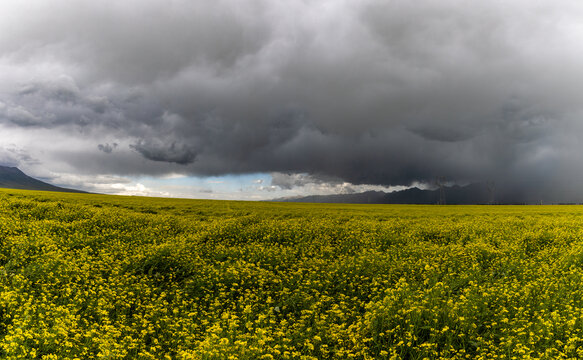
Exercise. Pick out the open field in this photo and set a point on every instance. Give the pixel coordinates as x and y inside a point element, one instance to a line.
<point>94,276</point>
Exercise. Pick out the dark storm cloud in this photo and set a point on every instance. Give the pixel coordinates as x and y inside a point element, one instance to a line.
<point>369,92</point>
<point>172,153</point>
<point>107,148</point>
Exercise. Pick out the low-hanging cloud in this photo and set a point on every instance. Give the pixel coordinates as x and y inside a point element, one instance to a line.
<point>107,148</point>
<point>369,92</point>
<point>172,153</point>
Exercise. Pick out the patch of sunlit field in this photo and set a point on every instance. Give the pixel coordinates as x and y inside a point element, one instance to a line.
<point>103,277</point>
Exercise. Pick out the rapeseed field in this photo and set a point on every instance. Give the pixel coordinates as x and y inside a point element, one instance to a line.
<point>103,277</point>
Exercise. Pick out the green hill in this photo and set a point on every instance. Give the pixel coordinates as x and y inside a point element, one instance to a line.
<point>13,178</point>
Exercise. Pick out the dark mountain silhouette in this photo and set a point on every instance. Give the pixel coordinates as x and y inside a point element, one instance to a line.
<point>13,178</point>
<point>454,195</point>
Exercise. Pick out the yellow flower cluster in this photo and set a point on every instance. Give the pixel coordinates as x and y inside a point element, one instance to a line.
<point>102,277</point>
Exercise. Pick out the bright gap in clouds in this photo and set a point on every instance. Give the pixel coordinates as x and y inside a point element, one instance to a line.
<point>259,186</point>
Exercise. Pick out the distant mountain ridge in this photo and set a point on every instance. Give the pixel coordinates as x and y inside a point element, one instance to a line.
<point>454,195</point>
<point>13,178</point>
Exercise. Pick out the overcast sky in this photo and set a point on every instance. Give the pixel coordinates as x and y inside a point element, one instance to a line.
<point>259,98</point>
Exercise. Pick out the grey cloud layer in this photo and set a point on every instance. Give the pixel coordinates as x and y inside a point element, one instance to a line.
<point>368,92</point>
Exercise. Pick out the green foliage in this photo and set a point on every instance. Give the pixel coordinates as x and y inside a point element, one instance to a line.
<point>93,276</point>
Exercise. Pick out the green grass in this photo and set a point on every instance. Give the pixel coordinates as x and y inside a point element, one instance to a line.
<point>94,276</point>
